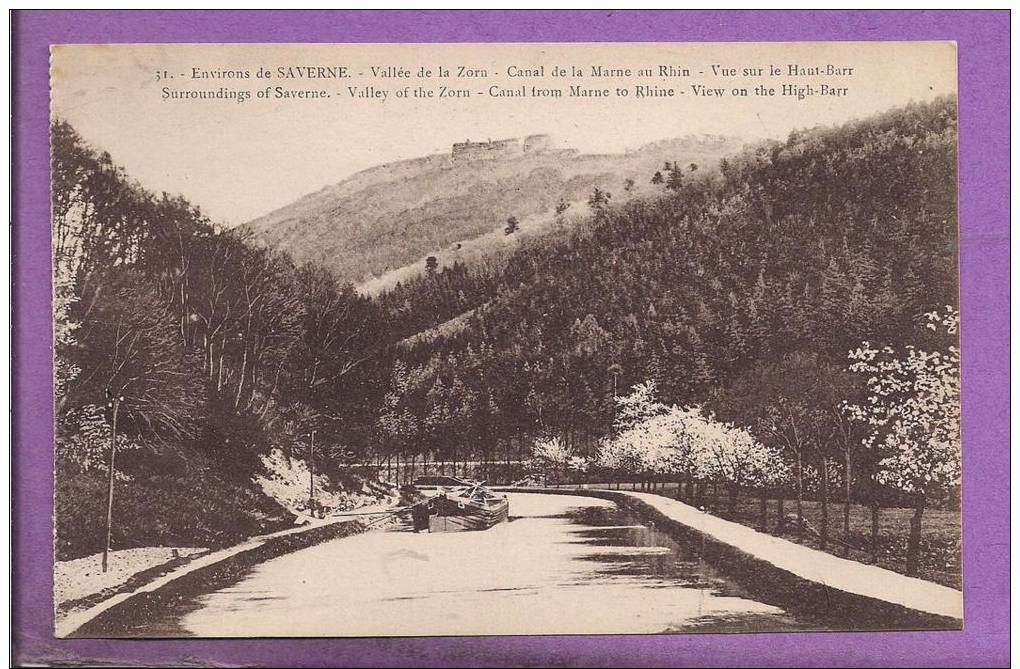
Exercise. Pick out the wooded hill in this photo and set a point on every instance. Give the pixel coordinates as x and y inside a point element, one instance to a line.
<point>808,246</point>
<point>379,225</point>
<point>743,286</point>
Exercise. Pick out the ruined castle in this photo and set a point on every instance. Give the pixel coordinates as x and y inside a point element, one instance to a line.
<point>501,148</point>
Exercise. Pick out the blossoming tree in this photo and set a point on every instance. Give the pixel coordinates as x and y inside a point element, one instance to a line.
<point>551,455</point>
<point>743,462</point>
<point>656,439</point>
<point>912,411</point>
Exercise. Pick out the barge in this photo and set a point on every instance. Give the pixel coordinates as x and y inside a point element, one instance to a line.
<point>448,504</point>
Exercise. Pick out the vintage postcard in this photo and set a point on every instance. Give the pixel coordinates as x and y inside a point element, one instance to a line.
<point>377,340</point>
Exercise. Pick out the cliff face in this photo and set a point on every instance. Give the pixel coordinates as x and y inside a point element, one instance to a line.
<point>386,219</point>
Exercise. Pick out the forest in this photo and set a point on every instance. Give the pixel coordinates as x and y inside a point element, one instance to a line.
<point>783,321</point>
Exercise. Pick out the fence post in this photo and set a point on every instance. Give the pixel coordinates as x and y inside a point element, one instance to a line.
<point>874,533</point>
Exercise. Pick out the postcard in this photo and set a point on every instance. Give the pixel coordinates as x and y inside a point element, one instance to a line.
<point>462,339</point>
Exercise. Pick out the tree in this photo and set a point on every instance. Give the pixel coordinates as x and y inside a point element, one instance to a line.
<point>848,436</point>
<point>551,454</point>
<point>912,413</point>
<point>512,225</point>
<point>432,264</point>
<point>783,404</point>
<point>85,445</point>
<point>325,367</point>
<point>598,201</point>
<point>462,401</point>
<point>588,336</point>
<point>626,452</point>
<point>741,461</point>
<point>65,369</point>
<point>657,178</point>
<point>771,472</point>
<point>578,465</point>
<point>397,422</point>
<point>652,438</point>
<point>637,406</point>
<point>129,344</point>
<point>674,177</point>
<point>270,321</point>
<point>787,422</point>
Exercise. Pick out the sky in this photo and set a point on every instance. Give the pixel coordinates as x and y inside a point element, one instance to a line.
<point>239,160</point>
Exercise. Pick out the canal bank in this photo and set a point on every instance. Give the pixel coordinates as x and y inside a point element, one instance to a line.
<point>843,594</point>
<point>115,617</point>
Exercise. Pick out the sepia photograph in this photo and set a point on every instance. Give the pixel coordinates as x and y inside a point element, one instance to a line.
<point>454,339</point>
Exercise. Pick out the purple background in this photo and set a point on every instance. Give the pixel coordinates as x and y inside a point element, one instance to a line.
<point>983,39</point>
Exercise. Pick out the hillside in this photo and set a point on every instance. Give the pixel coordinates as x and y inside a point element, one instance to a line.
<point>367,228</point>
<point>790,251</point>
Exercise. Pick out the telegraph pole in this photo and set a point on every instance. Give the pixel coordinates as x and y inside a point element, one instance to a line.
<point>615,369</point>
<point>113,402</point>
<point>311,474</point>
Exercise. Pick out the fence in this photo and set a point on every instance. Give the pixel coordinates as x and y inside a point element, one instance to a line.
<point>404,471</point>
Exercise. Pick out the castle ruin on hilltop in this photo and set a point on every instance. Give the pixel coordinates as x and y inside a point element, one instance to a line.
<point>501,148</point>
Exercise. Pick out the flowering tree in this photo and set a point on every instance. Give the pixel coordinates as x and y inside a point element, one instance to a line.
<point>744,462</point>
<point>578,465</point>
<point>771,472</point>
<point>650,438</point>
<point>640,404</point>
<point>656,439</point>
<point>912,412</point>
<point>616,456</point>
<point>655,445</point>
<point>551,454</point>
<point>630,449</point>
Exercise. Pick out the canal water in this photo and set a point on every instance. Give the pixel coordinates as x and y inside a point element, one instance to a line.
<point>562,565</point>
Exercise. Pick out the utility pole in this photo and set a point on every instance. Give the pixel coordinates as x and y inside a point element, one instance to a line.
<point>113,402</point>
<point>615,369</point>
<point>311,474</point>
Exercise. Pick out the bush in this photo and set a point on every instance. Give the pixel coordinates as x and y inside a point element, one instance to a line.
<point>197,508</point>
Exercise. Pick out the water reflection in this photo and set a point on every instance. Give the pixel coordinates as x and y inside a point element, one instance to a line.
<point>564,565</point>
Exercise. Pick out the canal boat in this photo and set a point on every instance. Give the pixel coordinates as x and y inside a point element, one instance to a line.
<point>474,508</point>
<point>446,504</point>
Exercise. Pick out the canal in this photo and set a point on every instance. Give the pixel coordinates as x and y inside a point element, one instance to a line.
<point>562,565</point>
